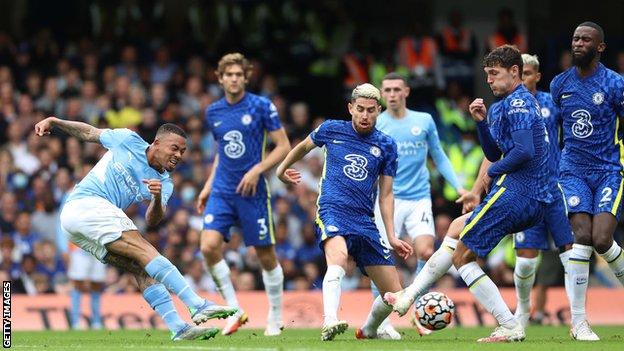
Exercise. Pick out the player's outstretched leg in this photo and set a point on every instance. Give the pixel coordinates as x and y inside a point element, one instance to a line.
<point>387,279</point>
<point>385,330</point>
<point>273,279</point>
<point>434,269</point>
<point>524,277</point>
<point>336,255</point>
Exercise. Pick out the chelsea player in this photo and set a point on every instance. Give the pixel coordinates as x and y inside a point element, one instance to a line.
<point>416,136</point>
<point>356,156</point>
<point>591,99</point>
<point>237,190</point>
<point>133,171</point>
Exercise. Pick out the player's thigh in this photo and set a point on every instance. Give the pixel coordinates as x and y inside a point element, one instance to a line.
<point>219,216</point>
<point>503,211</point>
<point>132,245</point>
<point>608,193</point>
<point>419,220</point>
<point>256,219</point>
<point>385,277</point>
<point>92,223</point>
<point>336,251</point>
<point>578,193</point>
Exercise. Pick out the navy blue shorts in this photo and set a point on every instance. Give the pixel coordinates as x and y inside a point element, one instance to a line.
<point>593,192</point>
<point>555,223</point>
<point>503,211</point>
<point>364,243</point>
<point>253,213</point>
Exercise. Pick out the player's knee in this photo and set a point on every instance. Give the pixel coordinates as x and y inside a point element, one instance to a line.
<point>424,253</point>
<point>209,247</point>
<point>602,243</point>
<point>267,257</point>
<point>456,227</point>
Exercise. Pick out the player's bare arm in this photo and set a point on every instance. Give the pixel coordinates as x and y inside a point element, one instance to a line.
<point>155,211</point>
<point>80,130</point>
<point>249,183</point>
<point>287,174</point>
<point>202,198</point>
<point>386,207</point>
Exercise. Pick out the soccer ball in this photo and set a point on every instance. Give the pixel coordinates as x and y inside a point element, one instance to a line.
<point>434,310</point>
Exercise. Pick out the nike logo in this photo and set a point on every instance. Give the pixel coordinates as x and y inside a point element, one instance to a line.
<point>565,96</point>
<point>386,257</point>
<point>216,124</point>
<point>337,141</point>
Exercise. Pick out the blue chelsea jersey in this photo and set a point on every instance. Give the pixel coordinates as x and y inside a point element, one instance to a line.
<point>552,120</point>
<point>353,163</point>
<point>241,130</point>
<point>118,176</point>
<point>590,108</point>
<point>520,110</point>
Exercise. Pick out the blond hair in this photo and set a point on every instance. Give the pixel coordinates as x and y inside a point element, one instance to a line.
<point>366,91</point>
<point>235,58</point>
<point>531,60</point>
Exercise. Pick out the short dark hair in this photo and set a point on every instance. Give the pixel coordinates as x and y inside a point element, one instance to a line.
<point>171,128</point>
<point>596,26</point>
<point>505,56</point>
<point>394,76</point>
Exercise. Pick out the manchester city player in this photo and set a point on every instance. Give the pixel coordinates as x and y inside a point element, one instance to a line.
<point>356,156</point>
<point>416,136</point>
<point>591,97</point>
<point>132,171</point>
<point>237,191</point>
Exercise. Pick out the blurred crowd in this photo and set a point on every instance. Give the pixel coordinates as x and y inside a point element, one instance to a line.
<point>114,79</point>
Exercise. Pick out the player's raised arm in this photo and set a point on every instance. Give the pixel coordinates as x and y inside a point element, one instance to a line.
<point>156,209</point>
<point>386,207</point>
<point>288,175</point>
<point>441,160</point>
<point>80,130</point>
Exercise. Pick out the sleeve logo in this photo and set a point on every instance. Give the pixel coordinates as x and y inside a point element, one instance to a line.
<point>356,170</point>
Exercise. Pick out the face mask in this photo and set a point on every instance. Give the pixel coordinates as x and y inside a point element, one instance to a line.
<point>188,194</point>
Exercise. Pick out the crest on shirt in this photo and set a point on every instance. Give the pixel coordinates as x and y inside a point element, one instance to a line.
<point>416,130</point>
<point>375,151</point>
<point>598,98</point>
<point>246,119</point>
<point>517,103</point>
<point>545,112</point>
<point>573,201</point>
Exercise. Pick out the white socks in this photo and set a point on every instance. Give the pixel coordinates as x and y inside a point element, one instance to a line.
<point>379,312</point>
<point>578,268</point>
<point>486,292</point>
<point>524,277</point>
<point>220,273</point>
<point>331,292</point>
<point>615,258</point>
<point>274,285</point>
<point>565,258</point>
<point>434,269</point>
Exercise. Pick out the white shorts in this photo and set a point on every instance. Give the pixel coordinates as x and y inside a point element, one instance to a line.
<point>411,217</point>
<point>93,222</point>
<point>83,266</point>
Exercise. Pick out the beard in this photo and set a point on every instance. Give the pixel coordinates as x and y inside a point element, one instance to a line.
<point>585,59</point>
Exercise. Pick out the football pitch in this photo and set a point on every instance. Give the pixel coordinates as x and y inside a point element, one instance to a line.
<point>455,339</point>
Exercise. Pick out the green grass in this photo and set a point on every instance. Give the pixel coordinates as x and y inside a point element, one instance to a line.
<point>453,339</point>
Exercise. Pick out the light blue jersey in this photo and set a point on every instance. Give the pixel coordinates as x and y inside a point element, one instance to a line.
<point>118,176</point>
<point>415,135</point>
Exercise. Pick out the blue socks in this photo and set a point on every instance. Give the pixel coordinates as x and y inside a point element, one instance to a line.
<point>161,269</point>
<point>159,299</point>
<point>96,315</point>
<point>75,308</point>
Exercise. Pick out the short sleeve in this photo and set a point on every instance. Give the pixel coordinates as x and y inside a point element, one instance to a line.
<point>617,95</point>
<point>111,138</point>
<point>519,113</point>
<point>207,119</point>
<point>270,117</point>
<point>390,160</point>
<point>167,191</point>
<point>554,92</point>
<point>320,135</point>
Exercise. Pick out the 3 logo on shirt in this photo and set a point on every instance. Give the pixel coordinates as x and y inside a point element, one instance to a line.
<point>235,147</point>
<point>356,170</point>
<point>583,127</point>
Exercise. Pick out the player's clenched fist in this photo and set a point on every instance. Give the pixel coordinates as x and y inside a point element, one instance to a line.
<point>477,109</point>
<point>154,186</point>
<point>44,127</point>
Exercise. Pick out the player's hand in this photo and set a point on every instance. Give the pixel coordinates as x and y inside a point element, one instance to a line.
<point>290,176</point>
<point>154,186</point>
<point>477,109</point>
<point>202,198</point>
<point>469,201</point>
<point>487,182</point>
<point>401,247</point>
<point>44,127</point>
<point>249,184</point>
